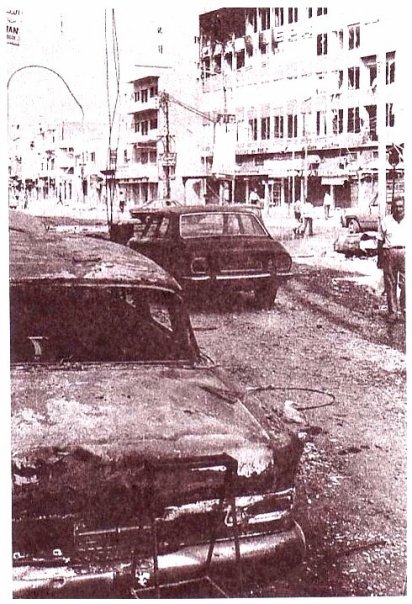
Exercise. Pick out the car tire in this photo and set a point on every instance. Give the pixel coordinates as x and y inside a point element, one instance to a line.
<point>353,226</point>
<point>265,297</point>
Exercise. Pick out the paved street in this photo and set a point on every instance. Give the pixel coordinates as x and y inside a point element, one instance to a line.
<point>329,335</point>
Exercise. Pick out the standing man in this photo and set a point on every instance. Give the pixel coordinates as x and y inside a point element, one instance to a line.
<point>254,198</point>
<point>307,215</point>
<point>391,257</point>
<point>327,202</point>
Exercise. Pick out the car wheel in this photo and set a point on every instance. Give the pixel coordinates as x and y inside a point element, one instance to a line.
<point>265,297</point>
<point>354,226</point>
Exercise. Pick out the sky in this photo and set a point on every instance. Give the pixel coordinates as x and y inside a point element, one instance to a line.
<point>69,38</point>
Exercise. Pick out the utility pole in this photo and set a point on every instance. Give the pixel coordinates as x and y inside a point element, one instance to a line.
<point>168,157</point>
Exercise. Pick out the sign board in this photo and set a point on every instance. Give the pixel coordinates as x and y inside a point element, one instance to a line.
<point>13,26</point>
<point>168,159</point>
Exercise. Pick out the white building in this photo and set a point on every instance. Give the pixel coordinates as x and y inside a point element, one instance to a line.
<point>315,96</point>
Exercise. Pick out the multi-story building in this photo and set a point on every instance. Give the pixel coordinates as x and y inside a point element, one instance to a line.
<point>314,95</point>
<point>61,161</point>
<point>161,117</point>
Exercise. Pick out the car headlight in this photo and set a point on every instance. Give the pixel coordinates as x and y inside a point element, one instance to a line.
<point>281,263</point>
<point>199,265</point>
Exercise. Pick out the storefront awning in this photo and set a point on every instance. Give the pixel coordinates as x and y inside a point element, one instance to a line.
<point>333,180</point>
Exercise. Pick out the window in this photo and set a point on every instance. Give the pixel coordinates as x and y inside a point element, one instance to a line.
<point>206,67</point>
<point>265,128</point>
<point>217,63</point>
<point>353,78</point>
<point>153,91</point>
<point>153,123</point>
<point>278,126</point>
<point>353,119</point>
<point>292,14</point>
<point>137,95</point>
<point>292,125</point>
<point>322,44</point>
<point>144,95</point>
<point>321,123</point>
<point>337,121</point>
<point>125,157</point>
<point>136,126</point>
<point>264,18</point>
<point>252,18</point>
<point>279,17</point>
<point>322,11</point>
<point>354,36</point>
<point>240,59</point>
<point>390,67</point>
<point>152,157</point>
<point>253,129</point>
<point>340,78</point>
<point>160,49</point>
<point>310,12</point>
<point>229,60</point>
<point>144,127</point>
<point>390,116</point>
<point>93,157</point>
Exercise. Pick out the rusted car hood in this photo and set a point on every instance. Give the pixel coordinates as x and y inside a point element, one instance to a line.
<point>119,412</point>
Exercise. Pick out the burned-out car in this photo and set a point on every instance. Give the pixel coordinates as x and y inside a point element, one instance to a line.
<point>136,461</point>
<point>210,250</point>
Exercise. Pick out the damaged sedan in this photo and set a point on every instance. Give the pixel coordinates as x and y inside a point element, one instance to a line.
<point>136,462</point>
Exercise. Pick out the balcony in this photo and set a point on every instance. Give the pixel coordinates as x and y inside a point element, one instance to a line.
<point>134,106</point>
<point>145,139</point>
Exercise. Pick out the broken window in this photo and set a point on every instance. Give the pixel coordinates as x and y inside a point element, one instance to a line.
<point>55,323</point>
<point>353,78</point>
<point>264,14</point>
<point>292,14</point>
<point>353,119</point>
<point>354,36</point>
<point>390,116</point>
<point>322,44</point>
<point>265,128</point>
<point>253,132</point>
<point>390,67</point>
<point>240,59</point>
<point>337,121</point>
<point>279,17</point>
<point>292,125</point>
<point>278,126</point>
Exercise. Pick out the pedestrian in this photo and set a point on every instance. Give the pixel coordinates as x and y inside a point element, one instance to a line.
<point>327,202</point>
<point>391,257</point>
<point>307,215</point>
<point>254,198</point>
<point>121,201</point>
<point>297,212</point>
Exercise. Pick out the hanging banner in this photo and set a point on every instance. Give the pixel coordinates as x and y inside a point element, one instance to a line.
<point>224,153</point>
<point>13,26</point>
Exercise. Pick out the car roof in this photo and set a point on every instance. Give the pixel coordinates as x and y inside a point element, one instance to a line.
<point>190,209</point>
<point>37,254</point>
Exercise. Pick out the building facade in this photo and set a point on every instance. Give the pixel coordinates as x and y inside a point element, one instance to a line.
<point>314,96</point>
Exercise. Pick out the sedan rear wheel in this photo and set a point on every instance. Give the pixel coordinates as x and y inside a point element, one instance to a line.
<point>265,296</point>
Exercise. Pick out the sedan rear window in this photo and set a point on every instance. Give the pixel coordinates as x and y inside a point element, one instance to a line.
<point>88,324</point>
<point>216,224</point>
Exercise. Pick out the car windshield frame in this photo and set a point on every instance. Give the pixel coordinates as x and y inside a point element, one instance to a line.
<point>228,223</point>
<point>56,322</point>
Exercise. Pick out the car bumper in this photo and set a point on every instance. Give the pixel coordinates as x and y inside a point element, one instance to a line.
<point>286,547</point>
